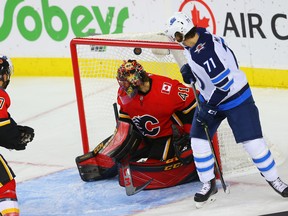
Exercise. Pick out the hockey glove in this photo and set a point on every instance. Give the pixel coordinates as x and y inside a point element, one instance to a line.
<point>187,74</point>
<point>205,113</point>
<point>182,147</point>
<point>26,136</point>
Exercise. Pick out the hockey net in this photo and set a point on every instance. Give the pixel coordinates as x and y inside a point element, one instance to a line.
<point>95,62</point>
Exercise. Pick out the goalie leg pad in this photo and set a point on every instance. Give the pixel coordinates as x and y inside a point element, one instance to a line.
<point>93,168</point>
<point>165,174</point>
<point>100,163</point>
<point>124,141</point>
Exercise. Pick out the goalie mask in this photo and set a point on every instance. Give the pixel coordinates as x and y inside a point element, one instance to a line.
<point>178,26</point>
<point>6,68</point>
<point>130,75</point>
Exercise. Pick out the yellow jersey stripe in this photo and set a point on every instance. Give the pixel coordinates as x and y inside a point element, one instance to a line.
<point>6,122</point>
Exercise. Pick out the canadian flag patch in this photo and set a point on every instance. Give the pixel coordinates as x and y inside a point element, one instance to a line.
<point>166,88</point>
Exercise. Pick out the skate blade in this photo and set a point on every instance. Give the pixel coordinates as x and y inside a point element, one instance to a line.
<point>207,202</point>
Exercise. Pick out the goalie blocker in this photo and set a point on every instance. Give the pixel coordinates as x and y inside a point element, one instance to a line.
<point>106,159</point>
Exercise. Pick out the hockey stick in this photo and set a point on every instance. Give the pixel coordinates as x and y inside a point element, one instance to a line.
<point>224,185</point>
<point>116,113</point>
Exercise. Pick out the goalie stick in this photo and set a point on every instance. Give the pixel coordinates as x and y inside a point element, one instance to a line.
<point>128,181</point>
<point>116,113</point>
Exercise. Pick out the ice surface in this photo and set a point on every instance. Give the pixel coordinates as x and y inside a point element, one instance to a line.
<point>48,180</point>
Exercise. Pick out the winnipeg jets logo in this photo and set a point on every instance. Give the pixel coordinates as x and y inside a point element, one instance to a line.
<point>199,47</point>
<point>147,125</point>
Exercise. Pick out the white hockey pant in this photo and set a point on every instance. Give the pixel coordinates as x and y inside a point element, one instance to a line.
<point>203,158</point>
<point>262,158</point>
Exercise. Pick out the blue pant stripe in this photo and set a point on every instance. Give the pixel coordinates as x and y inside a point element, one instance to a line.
<point>205,159</point>
<point>205,169</point>
<point>264,158</point>
<point>267,168</point>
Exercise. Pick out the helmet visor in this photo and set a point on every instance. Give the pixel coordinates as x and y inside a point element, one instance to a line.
<point>129,84</point>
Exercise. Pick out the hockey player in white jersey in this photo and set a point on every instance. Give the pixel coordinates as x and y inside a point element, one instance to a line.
<point>224,93</point>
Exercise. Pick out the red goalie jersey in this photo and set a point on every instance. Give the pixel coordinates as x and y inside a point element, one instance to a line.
<point>154,112</point>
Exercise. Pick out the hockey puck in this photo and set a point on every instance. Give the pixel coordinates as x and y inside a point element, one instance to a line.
<point>137,51</point>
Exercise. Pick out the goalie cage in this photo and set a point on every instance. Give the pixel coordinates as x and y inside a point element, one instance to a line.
<point>95,61</point>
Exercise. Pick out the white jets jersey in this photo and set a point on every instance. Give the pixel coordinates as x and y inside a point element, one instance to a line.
<point>221,83</point>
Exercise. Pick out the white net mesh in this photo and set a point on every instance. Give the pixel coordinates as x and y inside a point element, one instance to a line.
<point>98,66</point>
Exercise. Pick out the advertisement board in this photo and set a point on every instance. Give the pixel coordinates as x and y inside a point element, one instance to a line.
<point>37,34</point>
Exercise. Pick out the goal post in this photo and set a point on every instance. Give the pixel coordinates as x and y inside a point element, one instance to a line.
<point>95,61</point>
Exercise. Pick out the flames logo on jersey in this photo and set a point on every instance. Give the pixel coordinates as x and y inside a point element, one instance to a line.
<point>147,125</point>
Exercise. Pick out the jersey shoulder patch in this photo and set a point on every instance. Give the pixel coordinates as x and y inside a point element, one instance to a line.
<point>166,88</point>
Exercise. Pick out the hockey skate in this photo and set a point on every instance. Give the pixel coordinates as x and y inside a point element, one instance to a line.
<point>279,186</point>
<point>206,194</point>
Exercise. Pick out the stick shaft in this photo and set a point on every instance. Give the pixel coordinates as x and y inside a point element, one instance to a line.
<point>210,142</point>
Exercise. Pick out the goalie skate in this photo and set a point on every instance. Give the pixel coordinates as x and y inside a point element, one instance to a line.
<point>207,194</point>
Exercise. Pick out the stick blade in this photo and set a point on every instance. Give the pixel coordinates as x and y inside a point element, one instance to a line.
<point>128,182</point>
<point>134,190</point>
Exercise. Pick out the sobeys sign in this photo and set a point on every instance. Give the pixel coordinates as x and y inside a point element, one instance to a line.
<point>80,20</point>
<point>37,34</point>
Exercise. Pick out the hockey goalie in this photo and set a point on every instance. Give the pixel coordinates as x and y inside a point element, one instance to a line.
<point>150,147</point>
